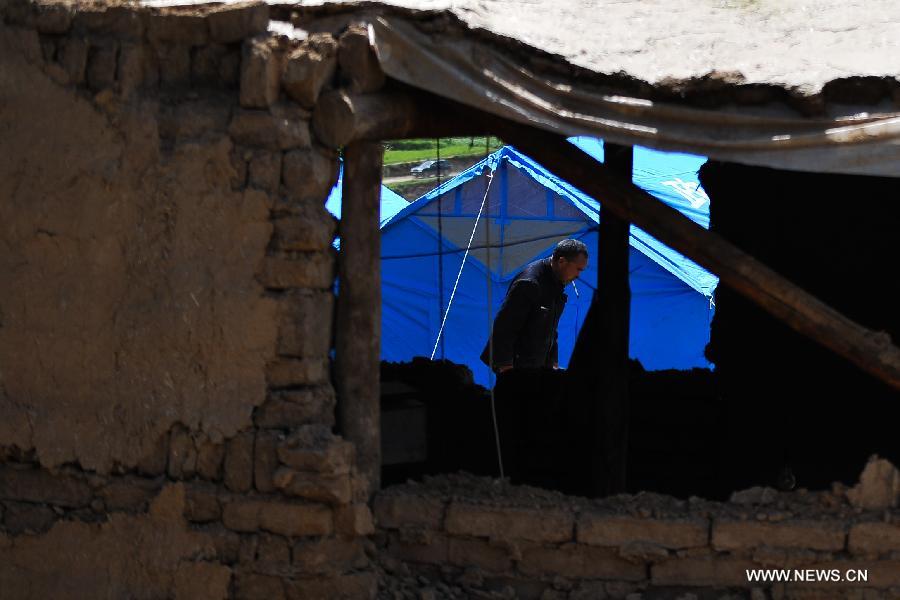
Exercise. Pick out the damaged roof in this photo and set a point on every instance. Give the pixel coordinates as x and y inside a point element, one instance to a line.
<point>800,46</point>
<point>807,85</point>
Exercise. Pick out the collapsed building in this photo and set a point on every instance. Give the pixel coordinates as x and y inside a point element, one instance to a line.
<point>173,424</point>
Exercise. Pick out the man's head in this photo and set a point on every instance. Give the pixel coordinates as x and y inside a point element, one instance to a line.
<point>570,258</point>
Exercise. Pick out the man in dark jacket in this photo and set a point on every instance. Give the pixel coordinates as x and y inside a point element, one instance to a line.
<point>524,333</point>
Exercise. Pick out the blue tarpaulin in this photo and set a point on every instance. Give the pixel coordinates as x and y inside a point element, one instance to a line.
<point>528,210</point>
<point>391,202</point>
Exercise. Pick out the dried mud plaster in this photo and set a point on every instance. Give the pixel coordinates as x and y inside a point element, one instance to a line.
<point>135,303</point>
<point>156,553</point>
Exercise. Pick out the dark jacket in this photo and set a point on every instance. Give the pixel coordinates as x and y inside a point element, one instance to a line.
<point>524,332</point>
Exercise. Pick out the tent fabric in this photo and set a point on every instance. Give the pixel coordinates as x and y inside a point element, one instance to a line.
<point>672,178</point>
<point>526,211</point>
<point>391,202</point>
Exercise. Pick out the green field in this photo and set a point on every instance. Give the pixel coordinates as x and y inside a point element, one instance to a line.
<point>401,151</point>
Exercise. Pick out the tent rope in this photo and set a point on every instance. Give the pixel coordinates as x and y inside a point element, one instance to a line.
<point>462,265</point>
<point>489,307</point>
<point>440,242</point>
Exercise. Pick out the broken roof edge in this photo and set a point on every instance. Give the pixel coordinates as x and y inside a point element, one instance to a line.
<point>493,82</point>
<point>460,52</point>
<point>728,91</point>
<point>759,124</point>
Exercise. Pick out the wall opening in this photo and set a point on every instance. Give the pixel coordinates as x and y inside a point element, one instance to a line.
<point>768,417</point>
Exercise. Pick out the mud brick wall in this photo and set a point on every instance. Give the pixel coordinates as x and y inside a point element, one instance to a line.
<point>166,270</point>
<point>474,537</point>
<point>166,411</point>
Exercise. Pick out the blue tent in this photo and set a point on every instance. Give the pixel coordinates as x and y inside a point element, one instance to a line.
<point>391,202</point>
<point>528,209</point>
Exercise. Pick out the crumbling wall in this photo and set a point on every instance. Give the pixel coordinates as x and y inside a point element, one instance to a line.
<point>462,537</point>
<point>166,414</point>
<point>165,315</point>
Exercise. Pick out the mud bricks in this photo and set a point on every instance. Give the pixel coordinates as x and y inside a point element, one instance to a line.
<point>274,510</point>
<point>278,507</point>
<point>540,543</point>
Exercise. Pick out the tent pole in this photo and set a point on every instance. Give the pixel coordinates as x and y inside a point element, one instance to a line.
<point>358,326</point>
<point>613,304</point>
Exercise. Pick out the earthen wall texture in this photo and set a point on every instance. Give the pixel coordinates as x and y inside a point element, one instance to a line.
<point>166,412</point>
<point>462,536</point>
<point>167,268</point>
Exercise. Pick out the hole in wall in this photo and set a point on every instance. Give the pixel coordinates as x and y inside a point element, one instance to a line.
<point>780,411</point>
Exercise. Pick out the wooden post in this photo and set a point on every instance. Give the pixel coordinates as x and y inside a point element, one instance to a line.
<point>597,386</point>
<point>613,303</point>
<point>358,326</point>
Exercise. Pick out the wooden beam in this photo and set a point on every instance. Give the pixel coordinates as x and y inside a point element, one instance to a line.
<point>871,351</point>
<point>614,307</point>
<point>340,118</point>
<point>358,325</point>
